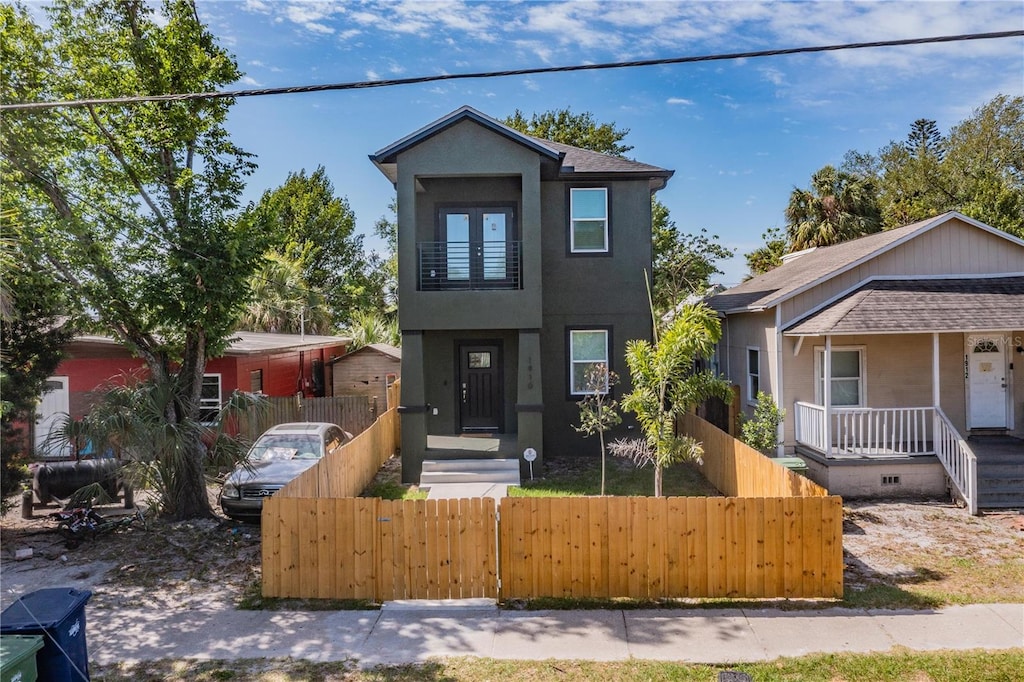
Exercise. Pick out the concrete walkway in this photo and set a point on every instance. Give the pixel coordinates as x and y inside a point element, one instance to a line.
<point>415,632</point>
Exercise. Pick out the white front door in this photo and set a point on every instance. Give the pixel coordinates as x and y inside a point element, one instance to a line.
<point>55,402</point>
<point>986,372</point>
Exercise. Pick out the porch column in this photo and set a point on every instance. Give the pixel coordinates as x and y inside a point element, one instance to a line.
<point>826,392</point>
<point>530,399</point>
<point>935,369</point>
<point>413,410</point>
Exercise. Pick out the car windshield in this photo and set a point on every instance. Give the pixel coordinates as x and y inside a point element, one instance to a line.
<point>286,446</point>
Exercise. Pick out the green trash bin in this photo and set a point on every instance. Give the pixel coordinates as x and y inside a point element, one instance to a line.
<point>793,464</point>
<point>18,657</point>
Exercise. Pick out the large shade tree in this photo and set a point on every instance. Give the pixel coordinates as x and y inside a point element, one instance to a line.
<point>131,205</point>
<point>313,227</point>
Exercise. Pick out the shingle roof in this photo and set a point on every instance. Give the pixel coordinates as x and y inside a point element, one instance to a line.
<point>568,160</point>
<point>766,290</point>
<point>921,305</point>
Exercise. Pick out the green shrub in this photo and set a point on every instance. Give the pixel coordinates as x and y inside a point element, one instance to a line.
<point>761,432</point>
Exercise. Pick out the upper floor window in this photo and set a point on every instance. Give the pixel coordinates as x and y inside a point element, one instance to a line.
<point>588,349</point>
<point>588,220</point>
<point>476,249</point>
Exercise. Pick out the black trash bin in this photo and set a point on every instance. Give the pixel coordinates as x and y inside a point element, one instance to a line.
<point>58,614</point>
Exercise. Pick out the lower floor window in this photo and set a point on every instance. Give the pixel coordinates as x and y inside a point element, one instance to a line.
<point>210,398</point>
<point>847,384</point>
<point>588,350</point>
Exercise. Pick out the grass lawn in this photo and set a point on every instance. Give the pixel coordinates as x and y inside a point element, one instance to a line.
<point>942,666</point>
<point>582,476</point>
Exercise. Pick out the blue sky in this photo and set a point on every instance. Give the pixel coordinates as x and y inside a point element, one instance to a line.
<point>739,134</point>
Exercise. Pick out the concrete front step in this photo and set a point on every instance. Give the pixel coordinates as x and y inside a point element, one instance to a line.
<point>471,464</point>
<point>428,478</point>
<point>475,471</point>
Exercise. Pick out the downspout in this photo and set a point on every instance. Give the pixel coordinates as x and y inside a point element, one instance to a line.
<point>780,434</point>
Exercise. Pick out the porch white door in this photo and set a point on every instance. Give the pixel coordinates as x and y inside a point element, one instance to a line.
<point>986,382</point>
<point>55,402</point>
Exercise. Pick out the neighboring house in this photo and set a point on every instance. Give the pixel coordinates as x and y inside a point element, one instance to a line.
<point>886,351</point>
<point>521,263</point>
<point>271,364</point>
<point>368,371</point>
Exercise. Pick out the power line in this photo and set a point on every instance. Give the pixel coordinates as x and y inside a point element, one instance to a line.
<point>362,85</point>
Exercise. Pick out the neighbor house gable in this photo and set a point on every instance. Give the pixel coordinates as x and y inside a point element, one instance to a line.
<point>948,244</point>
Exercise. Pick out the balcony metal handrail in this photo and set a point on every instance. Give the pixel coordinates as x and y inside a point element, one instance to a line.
<point>484,265</point>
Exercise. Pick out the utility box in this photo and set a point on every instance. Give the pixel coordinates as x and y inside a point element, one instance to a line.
<point>58,614</point>
<point>18,657</point>
<point>793,464</point>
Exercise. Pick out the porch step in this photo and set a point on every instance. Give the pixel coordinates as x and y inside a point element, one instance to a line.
<point>505,471</point>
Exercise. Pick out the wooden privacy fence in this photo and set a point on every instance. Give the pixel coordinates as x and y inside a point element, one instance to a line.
<point>354,413</point>
<point>738,470</point>
<point>349,472</point>
<point>651,548</point>
<point>775,535</point>
<point>379,550</point>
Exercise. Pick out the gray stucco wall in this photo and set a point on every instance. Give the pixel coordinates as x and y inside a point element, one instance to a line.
<point>440,170</point>
<point>440,372</point>
<point>587,291</point>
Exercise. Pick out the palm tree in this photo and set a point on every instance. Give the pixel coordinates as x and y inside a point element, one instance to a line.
<point>372,326</point>
<point>283,302</point>
<point>837,207</point>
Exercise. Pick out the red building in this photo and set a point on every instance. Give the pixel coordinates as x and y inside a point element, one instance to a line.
<point>271,364</point>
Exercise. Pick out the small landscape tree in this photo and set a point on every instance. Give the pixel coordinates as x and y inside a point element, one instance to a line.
<point>666,385</point>
<point>761,432</point>
<point>598,411</point>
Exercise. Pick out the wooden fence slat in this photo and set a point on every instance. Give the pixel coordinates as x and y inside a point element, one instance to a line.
<point>386,579</point>
<point>716,542</point>
<point>270,547</point>
<point>792,547</point>
<point>615,550</point>
<point>597,508</point>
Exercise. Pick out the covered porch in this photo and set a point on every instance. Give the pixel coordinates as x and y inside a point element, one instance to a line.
<point>906,370</point>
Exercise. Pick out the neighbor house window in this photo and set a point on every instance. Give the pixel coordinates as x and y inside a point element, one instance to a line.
<point>753,374</point>
<point>847,376</point>
<point>210,398</point>
<point>588,348</point>
<point>256,381</point>
<point>588,220</point>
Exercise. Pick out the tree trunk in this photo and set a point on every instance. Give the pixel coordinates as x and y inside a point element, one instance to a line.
<point>191,500</point>
<point>604,456</point>
<point>658,469</point>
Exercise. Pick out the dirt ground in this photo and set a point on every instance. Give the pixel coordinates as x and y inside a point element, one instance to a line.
<point>919,553</point>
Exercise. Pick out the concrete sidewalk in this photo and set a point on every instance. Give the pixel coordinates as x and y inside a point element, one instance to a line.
<point>412,633</point>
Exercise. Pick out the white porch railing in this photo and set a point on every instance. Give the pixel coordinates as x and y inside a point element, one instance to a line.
<point>866,431</point>
<point>960,462</point>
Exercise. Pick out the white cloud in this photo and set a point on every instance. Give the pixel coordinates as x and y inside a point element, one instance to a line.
<point>679,101</point>
<point>372,75</point>
<point>249,80</point>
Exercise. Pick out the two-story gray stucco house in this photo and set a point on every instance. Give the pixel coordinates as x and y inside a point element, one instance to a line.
<point>521,263</point>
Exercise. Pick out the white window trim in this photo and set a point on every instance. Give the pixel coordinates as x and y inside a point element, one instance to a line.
<point>208,403</point>
<point>819,358</point>
<point>572,220</point>
<point>573,362</point>
<point>751,393</point>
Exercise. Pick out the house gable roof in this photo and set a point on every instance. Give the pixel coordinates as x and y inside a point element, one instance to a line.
<point>565,160</point>
<point>797,275</point>
<point>385,349</point>
<point>881,306</point>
